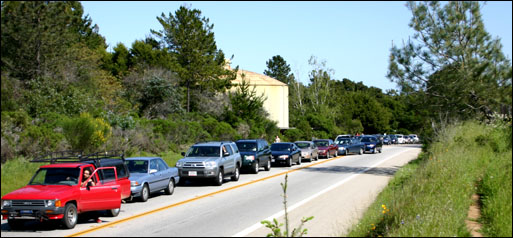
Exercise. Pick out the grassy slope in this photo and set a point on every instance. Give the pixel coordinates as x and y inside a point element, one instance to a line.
<point>431,195</point>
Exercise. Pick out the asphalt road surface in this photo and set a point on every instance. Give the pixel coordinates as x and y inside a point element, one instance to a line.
<point>335,191</point>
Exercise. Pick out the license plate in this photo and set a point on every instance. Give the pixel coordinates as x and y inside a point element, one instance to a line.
<point>193,173</point>
<point>24,212</point>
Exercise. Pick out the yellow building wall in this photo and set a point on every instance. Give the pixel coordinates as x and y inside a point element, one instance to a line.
<point>276,103</point>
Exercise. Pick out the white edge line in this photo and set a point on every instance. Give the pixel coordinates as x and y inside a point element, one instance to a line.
<point>282,212</point>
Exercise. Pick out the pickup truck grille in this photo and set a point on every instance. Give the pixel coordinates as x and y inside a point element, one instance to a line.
<point>194,165</point>
<point>31,203</point>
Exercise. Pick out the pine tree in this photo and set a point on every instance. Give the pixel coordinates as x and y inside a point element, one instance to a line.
<point>190,39</point>
<point>457,69</point>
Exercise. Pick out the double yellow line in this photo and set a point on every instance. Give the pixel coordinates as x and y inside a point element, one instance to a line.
<point>191,200</point>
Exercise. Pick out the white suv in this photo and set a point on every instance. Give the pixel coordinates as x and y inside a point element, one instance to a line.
<point>415,138</point>
<point>400,139</point>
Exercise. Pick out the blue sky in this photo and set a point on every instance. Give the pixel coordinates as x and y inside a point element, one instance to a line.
<point>353,38</point>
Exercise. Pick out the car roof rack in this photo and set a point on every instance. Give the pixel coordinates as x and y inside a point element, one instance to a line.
<point>70,156</point>
<point>60,157</point>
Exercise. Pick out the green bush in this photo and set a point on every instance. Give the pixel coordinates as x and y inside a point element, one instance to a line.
<point>35,140</point>
<point>295,135</point>
<point>86,133</point>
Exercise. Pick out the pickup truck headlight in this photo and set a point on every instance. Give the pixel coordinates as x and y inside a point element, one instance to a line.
<point>179,164</point>
<point>6,203</point>
<point>283,156</point>
<point>53,203</point>
<point>249,157</point>
<point>210,164</point>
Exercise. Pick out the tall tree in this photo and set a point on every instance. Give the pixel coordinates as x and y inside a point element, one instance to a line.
<point>190,39</point>
<point>36,36</point>
<point>278,68</point>
<point>457,69</point>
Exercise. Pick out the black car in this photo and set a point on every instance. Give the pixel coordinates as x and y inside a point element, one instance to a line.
<point>372,144</point>
<point>255,154</point>
<point>285,152</point>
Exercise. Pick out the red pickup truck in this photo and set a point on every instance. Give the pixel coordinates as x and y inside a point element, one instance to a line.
<point>58,190</point>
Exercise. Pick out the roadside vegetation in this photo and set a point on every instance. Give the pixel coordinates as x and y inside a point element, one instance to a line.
<point>431,195</point>
<point>62,90</point>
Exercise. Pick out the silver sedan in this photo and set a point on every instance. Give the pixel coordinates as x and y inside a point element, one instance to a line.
<point>309,150</point>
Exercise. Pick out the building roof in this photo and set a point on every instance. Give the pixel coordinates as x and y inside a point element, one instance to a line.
<point>257,79</point>
<point>254,78</point>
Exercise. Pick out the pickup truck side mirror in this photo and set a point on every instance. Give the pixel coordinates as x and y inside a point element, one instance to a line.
<point>153,171</point>
<point>183,153</point>
<point>226,154</point>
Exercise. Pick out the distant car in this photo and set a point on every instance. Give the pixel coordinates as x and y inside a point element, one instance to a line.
<point>372,144</point>
<point>326,148</point>
<point>255,154</point>
<point>350,146</point>
<point>415,138</point>
<point>387,140</point>
<point>285,152</point>
<point>309,150</point>
<point>150,175</point>
<point>393,139</point>
<point>406,139</point>
<point>400,139</point>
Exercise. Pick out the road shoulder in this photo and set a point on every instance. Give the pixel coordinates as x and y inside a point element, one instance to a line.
<point>338,209</point>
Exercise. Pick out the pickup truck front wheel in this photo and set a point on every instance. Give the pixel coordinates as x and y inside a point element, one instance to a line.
<point>15,224</point>
<point>70,216</point>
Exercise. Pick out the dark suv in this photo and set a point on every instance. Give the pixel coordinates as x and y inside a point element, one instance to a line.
<point>255,154</point>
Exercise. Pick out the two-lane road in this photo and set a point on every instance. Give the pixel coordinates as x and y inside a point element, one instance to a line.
<point>335,191</point>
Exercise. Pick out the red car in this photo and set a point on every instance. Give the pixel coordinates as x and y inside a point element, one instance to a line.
<point>57,191</point>
<point>326,148</point>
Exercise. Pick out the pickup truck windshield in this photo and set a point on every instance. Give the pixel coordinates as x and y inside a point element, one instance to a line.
<point>247,146</point>
<point>204,151</point>
<point>56,176</point>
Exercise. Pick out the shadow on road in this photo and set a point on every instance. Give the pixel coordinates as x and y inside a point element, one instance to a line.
<point>387,171</point>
